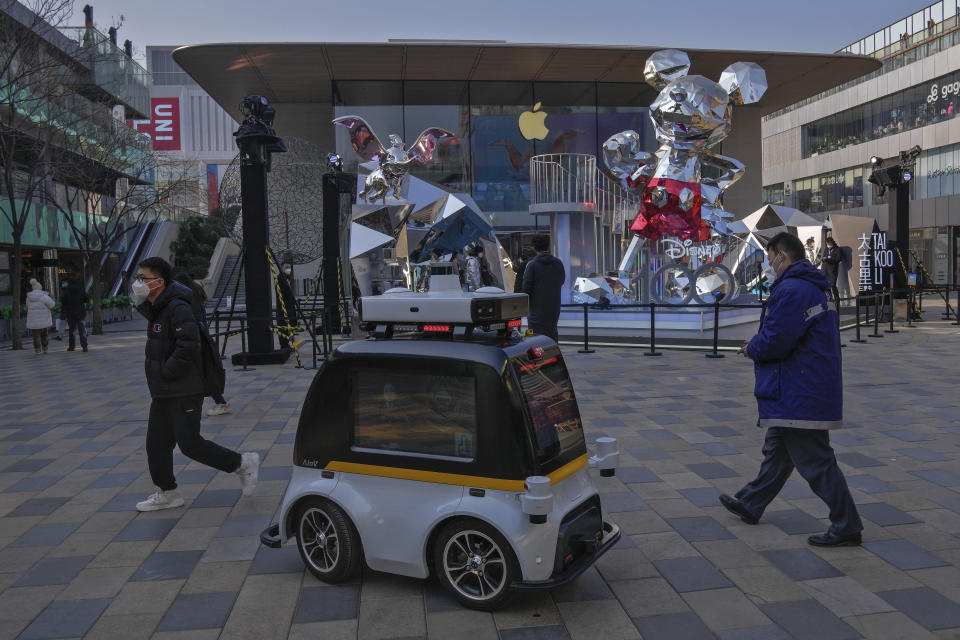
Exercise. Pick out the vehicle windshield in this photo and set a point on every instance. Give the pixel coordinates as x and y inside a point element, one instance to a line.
<point>551,403</point>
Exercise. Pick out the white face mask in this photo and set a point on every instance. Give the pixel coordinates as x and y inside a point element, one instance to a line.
<point>140,291</point>
<point>288,271</point>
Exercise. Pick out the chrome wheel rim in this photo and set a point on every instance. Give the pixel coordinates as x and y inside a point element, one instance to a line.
<point>474,564</point>
<point>319,540</point>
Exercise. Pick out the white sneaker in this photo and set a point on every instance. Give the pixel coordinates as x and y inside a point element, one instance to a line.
<point>219,409</point>
<point>248,472</point>
<point>161,500</point>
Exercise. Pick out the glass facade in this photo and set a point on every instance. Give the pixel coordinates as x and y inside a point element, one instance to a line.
<point>911,108</point>
<point>490,157</point>
<point>164,71</point>
<point>843,189</point>
<point>938,172</point>
<point>773,194</point>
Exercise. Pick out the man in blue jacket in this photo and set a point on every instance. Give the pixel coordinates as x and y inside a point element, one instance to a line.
<point>799,390</point>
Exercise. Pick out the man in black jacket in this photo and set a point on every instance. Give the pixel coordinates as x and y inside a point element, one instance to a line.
<point>831,266</point>
<point>73,302</point>
<point>543,280</point>
<point>175,379</point>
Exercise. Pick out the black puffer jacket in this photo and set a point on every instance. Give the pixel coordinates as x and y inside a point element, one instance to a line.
<point>543,279</point>
<point>173,362</point>
<point>74,300</point>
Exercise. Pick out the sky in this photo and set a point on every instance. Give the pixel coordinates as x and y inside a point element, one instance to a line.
<point>821,26</point>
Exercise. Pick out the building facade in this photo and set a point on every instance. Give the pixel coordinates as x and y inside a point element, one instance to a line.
<point>817,152</point>
<point>505,103</point>
<point>64,93</point>
<point>189,129</point>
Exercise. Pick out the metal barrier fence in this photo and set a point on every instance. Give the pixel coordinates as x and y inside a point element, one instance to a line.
<point>876,304</point>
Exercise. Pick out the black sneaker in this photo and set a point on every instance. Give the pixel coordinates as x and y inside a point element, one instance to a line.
<point>735,507</point>
<point>829,539</point>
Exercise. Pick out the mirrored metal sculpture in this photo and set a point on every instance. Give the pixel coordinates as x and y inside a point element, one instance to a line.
<point>682,184</point>
<point>422,231</point>
<point>394,161</point>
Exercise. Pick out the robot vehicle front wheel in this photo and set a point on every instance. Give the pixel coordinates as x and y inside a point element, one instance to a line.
<point>474,563</point>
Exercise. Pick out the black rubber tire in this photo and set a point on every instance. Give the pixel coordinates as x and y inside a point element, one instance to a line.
<point>484,587</point>
<point>335,563</point>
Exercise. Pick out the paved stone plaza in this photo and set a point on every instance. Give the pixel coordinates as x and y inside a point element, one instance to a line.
<point>76,560</point>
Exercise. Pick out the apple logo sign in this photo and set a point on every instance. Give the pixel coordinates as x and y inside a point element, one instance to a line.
<point>531,124</point>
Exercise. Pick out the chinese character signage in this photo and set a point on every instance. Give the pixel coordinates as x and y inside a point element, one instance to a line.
<point>875,260</point>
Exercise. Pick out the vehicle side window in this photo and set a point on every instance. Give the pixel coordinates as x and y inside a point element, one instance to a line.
<point>552,406</point>
<point>415,412</point>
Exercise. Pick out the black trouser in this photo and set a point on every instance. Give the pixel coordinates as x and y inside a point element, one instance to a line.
<point>545,330</point>
<point>40,338</point>
<point>76,325</point>
<point>176,421</point>
<point>809,451</point>
<point>218,398</point>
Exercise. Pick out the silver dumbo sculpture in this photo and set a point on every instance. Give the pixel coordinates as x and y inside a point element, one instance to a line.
<point>395,160</point>
<point>683,182</point>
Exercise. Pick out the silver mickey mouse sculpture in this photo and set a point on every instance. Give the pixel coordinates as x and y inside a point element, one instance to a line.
<point>395,161</point>
<point>683,182</point>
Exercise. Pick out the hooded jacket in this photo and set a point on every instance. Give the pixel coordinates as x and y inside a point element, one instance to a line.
<point>173,361</point>
<point>38,309</point>
<point>74,301</point>
<point>543,279</point>
<point>796,353</point>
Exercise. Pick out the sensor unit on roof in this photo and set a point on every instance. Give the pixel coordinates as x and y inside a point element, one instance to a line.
<point>443,307</point>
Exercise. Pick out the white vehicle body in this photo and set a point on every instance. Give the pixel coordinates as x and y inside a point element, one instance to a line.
<point>395,518</point>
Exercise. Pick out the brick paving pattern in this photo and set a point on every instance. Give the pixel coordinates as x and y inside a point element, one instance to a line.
<point>76,560</point>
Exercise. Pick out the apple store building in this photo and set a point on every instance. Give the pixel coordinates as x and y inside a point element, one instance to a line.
<point>506,103</point>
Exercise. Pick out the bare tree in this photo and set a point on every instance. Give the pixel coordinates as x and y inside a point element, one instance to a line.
<point>104,184</point>
<point>34,79</point>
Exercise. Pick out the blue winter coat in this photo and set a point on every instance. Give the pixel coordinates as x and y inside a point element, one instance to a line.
<point>796,353</point>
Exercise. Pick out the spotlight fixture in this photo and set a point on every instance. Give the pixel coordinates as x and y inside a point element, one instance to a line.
<point>876,161</point>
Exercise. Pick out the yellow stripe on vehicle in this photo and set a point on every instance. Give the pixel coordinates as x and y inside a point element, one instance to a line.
<point>481,482</point>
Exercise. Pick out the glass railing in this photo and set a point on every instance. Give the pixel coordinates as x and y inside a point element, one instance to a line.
<point>83,127</point>
<point>925,41</point>
<point>113,71</point>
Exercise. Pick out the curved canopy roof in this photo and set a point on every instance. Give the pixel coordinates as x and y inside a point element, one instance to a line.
<point>302,72</point>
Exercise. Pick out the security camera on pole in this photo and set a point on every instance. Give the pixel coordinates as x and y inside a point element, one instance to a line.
<point>897,177</point>
<point>257,140</point>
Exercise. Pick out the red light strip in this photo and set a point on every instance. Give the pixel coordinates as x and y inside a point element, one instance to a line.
<point>514,323</point>
<point>534,365</point>
<point>437,328</point>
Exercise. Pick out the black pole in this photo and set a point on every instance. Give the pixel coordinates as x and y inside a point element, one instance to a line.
<point>910,307</point>
<point>257,141</point>
<point>857,306</point>
<point>586,334</point>
<point>890,300</point>
<point>339,190</point>
<point>876,319</point>
<point>242,356</point>
<point>716,330</point>
<point>653,331</point>
<point>958,307</point>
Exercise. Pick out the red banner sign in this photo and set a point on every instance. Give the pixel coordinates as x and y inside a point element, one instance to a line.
<point>164,125</point>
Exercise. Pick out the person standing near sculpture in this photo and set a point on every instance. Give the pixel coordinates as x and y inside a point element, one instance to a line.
<point>799,391</point>
<point>287,309</point>
<point>543,280</point>
<point>39,319</point>
<point>831,265</point>
<point>74,305</point>
<point>526,255</point>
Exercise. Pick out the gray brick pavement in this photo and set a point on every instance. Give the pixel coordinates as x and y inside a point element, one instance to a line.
<point>77,561</point>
